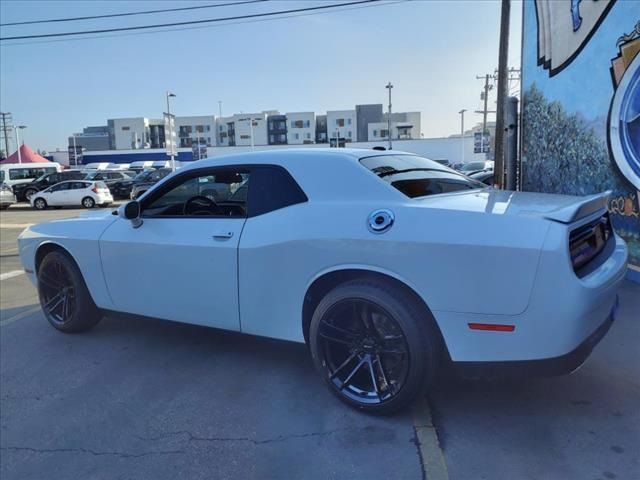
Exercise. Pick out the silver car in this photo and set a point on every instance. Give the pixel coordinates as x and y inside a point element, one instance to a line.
<point>7,198</point>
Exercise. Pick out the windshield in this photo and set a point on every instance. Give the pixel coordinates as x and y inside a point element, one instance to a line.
<point>91,176</point>
<point>142,175</point>
<point>472,166</point>
<point>417,176</point>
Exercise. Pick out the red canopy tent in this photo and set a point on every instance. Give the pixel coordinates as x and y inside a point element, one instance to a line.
<point>26,155</point>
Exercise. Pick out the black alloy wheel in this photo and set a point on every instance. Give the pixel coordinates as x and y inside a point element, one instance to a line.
<point>374,346</point>
<point>64,298</point>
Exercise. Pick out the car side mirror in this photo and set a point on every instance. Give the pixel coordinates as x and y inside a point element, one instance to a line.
<point>131,211</point>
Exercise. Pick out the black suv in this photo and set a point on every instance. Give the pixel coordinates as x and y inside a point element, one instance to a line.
<point>24,191</point>
<point>110,177</point>
<point>139,184</point>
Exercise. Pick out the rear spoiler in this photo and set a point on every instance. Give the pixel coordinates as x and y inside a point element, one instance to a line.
<point>583,207</point>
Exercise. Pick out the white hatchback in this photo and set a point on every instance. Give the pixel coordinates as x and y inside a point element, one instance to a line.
<point>73,193</point>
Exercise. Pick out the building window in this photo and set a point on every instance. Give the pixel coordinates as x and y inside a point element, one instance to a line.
<point>200,128</point>
<point>375,133</point>
<point>348,121</point>
<point>207,128</point>
<point>308,135</point>
<point>298,124</point>
<point>307,124</point>
<point>384,133</point>
<point>349,134</point>
<point>221,128</point>
<point>296,136</point>
<point>245,137</point>
<point>340,122</point>
<point>126,128</point>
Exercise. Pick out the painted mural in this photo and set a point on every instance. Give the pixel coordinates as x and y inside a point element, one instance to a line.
<point>581,105</point>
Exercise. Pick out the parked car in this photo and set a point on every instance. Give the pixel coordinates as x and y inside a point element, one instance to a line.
<point>7,198</point>
<point>359,253</point>
<point>73,193</point>
<point>472,167</point>
<point>25,191</point>
<point>14,174</point>
<point>484,176</point>
<point>145,180</point>
<point>109,177</point>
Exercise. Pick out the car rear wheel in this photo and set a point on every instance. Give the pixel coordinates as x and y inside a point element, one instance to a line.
<point>64,297</point>
<point>30,192</point>
<point>374,345</point>
<point>40,203</point>
<point>88,202</point>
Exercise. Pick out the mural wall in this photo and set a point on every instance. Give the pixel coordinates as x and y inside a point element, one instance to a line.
<point>581,105</point>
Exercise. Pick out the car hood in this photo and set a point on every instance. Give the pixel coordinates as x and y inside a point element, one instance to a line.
<point>560,208</point>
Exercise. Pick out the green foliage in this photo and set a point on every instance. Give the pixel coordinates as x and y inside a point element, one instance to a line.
<point>562,152</point>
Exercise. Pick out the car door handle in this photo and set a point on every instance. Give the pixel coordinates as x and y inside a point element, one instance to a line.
<point>222,235</point>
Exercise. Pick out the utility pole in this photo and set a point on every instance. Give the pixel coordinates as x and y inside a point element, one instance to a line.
<point>17,130</point>
<point>171,132</point>
<point>502,93</point>
<point>485,96</point>
<point>6,116</point>
<point>461,112</point>
<point>220,108</point>
<point>389,87</point>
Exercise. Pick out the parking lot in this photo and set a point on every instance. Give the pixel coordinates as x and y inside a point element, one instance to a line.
<point>151,399</point>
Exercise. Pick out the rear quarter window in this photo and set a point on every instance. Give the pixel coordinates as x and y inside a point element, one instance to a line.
<point>271,188</point>
<point>417,176</point>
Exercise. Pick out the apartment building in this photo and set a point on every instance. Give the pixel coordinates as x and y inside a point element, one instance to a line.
<point>404,126</point>
<point>244,129</point>
<point>342,124</point>
<point>198,130</point>
<point>277,129</point>
<point>301,128</point>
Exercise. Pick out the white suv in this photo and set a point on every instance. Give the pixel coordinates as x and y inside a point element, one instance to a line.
<point>73,193</point>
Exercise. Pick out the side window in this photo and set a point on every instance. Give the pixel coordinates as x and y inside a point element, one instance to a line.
<point>52,179</point>
<point>272,188</point>
<point>78,186</point>
<point>60,187</point>
<point>212,193</point>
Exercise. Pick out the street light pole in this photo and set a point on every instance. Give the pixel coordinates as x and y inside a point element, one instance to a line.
<point>171,126</point>
<point>389,87</point>
<point>19,127</point>
<point>461,112</point>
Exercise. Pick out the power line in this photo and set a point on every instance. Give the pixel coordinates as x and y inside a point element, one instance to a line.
<point>199,27</point>
<point>127,14</point>
<point>191,22</point>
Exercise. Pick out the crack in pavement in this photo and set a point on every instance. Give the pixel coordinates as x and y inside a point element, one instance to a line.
<point>280,438</point>
<point>92,452</point>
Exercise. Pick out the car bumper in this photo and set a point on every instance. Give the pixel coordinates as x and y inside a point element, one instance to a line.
<point>563,313</point>
<point>546,367</point>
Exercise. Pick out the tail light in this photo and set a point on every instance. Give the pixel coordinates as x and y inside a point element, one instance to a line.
<point>94,189</point>
<point>587,241</point>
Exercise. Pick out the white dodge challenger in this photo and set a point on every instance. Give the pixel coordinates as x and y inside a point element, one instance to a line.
<point>385,263</point>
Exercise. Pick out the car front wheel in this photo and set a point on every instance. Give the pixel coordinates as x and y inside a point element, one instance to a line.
<point>64,297</point>
<point>375,346</point>
<point>40,204</point>
<point>30,193</point>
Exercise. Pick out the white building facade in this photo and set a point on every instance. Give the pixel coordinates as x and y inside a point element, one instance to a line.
<point>342,124</point>
<point>301,128</point>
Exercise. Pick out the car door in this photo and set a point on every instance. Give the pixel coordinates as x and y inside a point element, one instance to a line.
<point>77,191</point>
<point>57,195</point>
<point>181,262</point>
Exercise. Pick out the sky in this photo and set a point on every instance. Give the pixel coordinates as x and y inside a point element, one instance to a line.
<point>431,50</point>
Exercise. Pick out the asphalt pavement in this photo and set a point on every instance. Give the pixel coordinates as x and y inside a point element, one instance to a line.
<point>160,400</point>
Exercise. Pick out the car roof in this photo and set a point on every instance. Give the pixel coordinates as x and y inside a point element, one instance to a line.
<point>288,154</point>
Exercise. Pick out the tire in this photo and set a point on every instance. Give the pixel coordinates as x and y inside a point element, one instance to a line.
<point>30,192</point>
<point>40,204</point>
<point>64,297</point>
<point>374,345</point>
<point>88,202</point>
<point>4,207</point>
